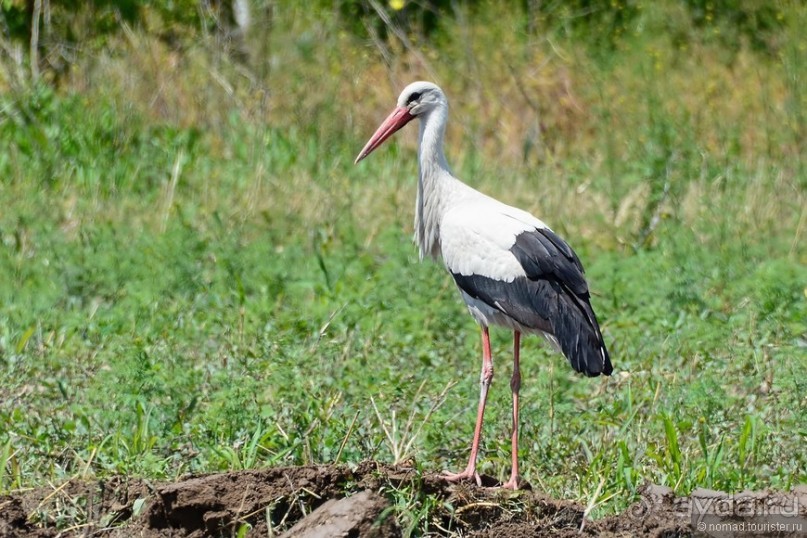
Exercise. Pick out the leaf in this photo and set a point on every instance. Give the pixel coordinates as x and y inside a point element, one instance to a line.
<point>137,506</point>
<point>243,530</point>
<point>672,444</point>
<point>24,339</point>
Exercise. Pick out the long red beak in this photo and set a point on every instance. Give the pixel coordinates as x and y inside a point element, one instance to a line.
<point>397,119</point>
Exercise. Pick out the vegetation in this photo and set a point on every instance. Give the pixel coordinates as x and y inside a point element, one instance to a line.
<point>196,278</point>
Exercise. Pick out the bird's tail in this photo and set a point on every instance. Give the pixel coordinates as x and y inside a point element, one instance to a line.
<point>578,335</point>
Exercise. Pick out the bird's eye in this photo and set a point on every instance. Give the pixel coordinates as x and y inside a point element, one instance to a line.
<point>413,97</point>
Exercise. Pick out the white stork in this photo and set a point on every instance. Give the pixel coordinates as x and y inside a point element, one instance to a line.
<point>510,268</point>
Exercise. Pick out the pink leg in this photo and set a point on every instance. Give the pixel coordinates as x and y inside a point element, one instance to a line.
<point>515,385</point>
<point>485,379</point>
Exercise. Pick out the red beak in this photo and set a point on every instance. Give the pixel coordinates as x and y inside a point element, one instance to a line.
<point>397,119</point>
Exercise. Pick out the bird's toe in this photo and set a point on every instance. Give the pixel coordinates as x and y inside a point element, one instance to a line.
<point>464,475</point>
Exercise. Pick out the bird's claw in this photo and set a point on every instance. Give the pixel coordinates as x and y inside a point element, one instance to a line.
<point>464,475</point>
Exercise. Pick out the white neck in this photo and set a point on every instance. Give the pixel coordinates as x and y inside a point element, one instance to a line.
<point>434,178</point>
<point>432,131</point>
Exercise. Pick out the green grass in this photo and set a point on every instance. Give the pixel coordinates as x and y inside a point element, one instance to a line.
<point>233,293</point>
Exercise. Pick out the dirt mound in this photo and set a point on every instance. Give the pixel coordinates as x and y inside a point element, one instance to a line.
<point>333,501</point>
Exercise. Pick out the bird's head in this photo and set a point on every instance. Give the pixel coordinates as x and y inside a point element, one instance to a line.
<point>416,100</point>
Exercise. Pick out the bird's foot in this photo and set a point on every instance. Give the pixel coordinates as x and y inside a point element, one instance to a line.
<point>464,475</point>
<point>511,484</point>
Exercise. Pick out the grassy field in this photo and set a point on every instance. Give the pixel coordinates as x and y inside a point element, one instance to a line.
<point>194,277</point>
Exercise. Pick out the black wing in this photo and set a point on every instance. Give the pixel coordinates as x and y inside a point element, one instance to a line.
<point>553,297</point>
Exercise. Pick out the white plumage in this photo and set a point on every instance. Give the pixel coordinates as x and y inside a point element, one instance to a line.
<point>511,269</point>
<point>476,237</point>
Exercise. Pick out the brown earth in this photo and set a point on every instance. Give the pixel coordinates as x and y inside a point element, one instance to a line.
<point>342,501</point>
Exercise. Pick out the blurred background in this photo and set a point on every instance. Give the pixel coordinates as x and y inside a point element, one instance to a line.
<point>195,277</point>
<point>641,107</point>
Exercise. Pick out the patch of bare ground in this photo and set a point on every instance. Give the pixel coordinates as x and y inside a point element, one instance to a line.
<point>343,501</point>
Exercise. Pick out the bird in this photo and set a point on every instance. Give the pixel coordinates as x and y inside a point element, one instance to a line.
<point>511,269</point>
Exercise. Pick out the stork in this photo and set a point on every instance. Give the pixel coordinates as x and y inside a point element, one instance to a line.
<point>511,269</point>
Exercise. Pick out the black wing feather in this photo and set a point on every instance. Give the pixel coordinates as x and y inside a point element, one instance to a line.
<point>553,297</point>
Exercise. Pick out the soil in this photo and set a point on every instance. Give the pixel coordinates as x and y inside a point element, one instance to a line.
<point>339,500</point>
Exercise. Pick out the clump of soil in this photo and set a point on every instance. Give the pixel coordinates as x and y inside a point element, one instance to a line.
<point>338,500</point>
